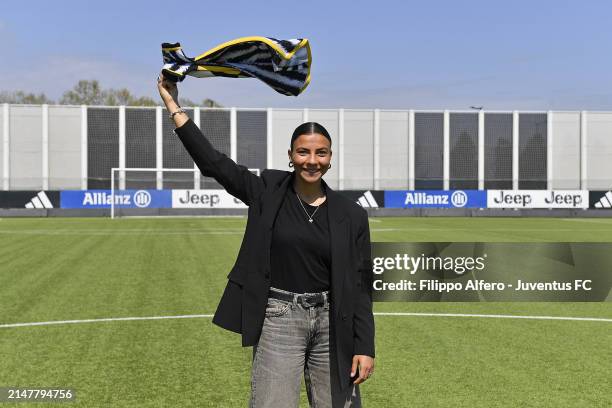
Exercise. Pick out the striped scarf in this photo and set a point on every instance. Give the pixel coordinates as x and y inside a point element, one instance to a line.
<point>282,64</point>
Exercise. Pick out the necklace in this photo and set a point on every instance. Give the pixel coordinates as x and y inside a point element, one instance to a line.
<point>310,219</point>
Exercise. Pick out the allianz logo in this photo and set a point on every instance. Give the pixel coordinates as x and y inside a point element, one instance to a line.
<point>140,198</point>
<point>457,198</point>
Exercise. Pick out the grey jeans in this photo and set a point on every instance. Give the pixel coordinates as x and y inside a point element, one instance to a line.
<point>295,340</point>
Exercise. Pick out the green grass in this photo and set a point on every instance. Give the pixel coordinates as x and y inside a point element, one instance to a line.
<point>65,269</point>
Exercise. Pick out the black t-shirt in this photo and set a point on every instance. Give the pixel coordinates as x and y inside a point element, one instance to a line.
<point>300,255</point>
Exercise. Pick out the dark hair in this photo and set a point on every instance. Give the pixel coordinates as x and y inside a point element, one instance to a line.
<point>309,128</point>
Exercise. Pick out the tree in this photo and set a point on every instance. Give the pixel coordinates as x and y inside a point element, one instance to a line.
<point>209,103</point>
<point>186,102</point>
<point>114,97</point>
<point>24,98</point>
<point>84,93</point>
<point>89,92</point>
<point>206,103</point>
<point>144,101</point>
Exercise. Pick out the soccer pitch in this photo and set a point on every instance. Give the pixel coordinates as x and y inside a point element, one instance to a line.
<point>63,269</point>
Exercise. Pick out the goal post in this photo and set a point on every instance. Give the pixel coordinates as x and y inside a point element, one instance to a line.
<point>158,182</point>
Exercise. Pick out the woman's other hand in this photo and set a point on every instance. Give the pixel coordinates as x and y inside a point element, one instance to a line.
<point>366,368</point>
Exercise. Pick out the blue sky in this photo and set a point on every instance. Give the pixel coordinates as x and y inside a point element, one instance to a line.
<point>366,54</point>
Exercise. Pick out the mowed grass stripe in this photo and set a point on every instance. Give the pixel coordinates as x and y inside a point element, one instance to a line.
<point>569,309</point>
<point>491,230</point>
<point>472,226</point>
<point>37,278</point>
<point>14,250</point>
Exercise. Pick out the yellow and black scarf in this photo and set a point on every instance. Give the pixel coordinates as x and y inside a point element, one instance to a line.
<point>282,64</point>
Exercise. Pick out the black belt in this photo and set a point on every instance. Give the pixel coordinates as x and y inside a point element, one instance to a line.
<point>306,300</point>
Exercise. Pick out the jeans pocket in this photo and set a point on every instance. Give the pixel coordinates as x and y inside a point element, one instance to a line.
<point>276,308</point>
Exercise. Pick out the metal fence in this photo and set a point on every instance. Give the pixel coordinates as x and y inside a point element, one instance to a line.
<point>74,147</point>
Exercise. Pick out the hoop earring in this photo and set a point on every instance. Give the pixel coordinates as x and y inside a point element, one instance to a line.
<point>329,167</point>
<point>290,164</point>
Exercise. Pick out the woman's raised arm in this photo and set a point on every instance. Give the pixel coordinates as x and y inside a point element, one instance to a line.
<point>237,180</point>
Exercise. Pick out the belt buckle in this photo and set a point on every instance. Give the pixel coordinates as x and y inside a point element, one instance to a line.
<point>311,300</point>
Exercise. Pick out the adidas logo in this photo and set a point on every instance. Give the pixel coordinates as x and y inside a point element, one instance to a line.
<point>39,201</point>
<point>605,201</point>
<point>367,200</point>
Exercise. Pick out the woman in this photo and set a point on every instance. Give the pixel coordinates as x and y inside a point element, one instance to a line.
<point>300,290</point>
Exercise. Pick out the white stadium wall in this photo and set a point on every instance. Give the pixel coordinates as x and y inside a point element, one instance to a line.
<point>65,148</point>
<point>358,149</point>
<point>74,147</point>
<point>599,150</point>
<point>393,150</point>
<point>565,147</point>
<point>26,147</point>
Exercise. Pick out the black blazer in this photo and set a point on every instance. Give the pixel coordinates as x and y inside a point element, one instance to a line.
<point>243,304</point>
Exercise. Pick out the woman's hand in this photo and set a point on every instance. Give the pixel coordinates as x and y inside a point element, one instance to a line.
<point>168,91</point>
<point>169,94</point>
<point>366,368</point>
